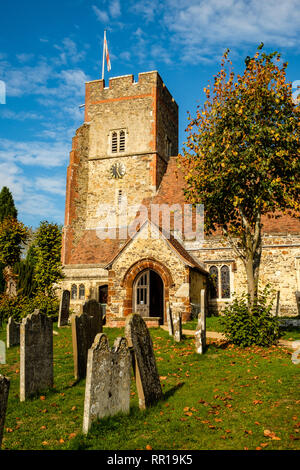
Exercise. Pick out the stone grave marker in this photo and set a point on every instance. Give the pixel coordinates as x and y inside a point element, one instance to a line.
<point>108,379</point>
<point>4,390</point>
<point>200,335</point>
<point>64,309</point>
<point>36,354</point>
<point>297,293</point>
<point>2,352</point>
<point>177,326</point>
<point>169,319</point>
<point>12,333</point>
<point>145,370</point>
<point>84,329</point>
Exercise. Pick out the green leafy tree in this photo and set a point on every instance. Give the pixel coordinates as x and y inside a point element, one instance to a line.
<point>241,158</point>
<point>48,269</point>
<point>7,208</point>
<point>7,205</point>
<point>13,234</point>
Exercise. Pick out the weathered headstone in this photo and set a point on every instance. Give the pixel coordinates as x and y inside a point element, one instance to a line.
<point>297,293</point>
<point>108,378</point>
<point>36,354</point>
<point>84,329</point>
<point>2,352</point>
<point>200,335</point>
<point>177,326</point>
<point>4,390</point>
<point>277,303</point>
<point>146,375</point>
<point>64,309</point>
<point>92,307</point>
<point>169,319</point>
<point>12,333</point>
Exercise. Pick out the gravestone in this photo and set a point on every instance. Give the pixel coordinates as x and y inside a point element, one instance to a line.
<point>200,335</point>
<point>177,326</point>
<point>108,379</point>
<point>4,390</point>
<point>169,319</point>
<point>12,333</point>
<point>145,370</point>
<point>277,303</point>
<point>36,354</point>
<point>2,352</point>
<point>297,293</point>
<point>84,329</point>
<point>64,309</point>
<point>92,307</point>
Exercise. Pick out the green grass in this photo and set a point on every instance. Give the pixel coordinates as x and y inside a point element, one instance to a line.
<point>213,324</point>
<point>224,399</point>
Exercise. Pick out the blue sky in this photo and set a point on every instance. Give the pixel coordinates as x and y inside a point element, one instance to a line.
<point>49,49</point>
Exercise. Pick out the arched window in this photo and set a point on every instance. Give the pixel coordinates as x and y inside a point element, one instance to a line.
<point>225,282</point>
<point>74,292</point>
<point>214,284</point>
<point>81,292</point>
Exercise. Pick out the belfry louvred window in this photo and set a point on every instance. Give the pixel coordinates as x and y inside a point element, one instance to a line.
<point>118,141</point>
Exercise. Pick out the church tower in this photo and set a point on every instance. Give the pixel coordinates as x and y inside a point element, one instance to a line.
<point>121,150</point>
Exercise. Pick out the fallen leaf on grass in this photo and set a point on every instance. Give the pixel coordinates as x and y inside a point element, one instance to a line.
<point>257,402</point>
<point>73,434</point>
<point>42,398</point>
<point>148,447</point>
<point>271,434</point>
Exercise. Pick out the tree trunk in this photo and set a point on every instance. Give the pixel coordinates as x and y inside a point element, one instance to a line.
<point>11,281</point>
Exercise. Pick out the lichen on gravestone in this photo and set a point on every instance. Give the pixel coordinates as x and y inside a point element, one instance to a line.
<point>4,391</point>
<point>145,369</point>
<point>108,379</point>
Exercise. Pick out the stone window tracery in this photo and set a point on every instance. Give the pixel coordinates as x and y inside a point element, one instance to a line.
<point>81,292</point>
<point>74,292</point>
<point>220,282</point>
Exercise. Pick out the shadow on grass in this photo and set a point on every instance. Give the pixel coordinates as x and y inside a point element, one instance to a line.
<point>172,390</point>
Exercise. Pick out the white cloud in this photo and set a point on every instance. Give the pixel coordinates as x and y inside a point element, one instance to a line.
<point>37,153</point>
<point>18,116</point>
<point>114,8</point>
<point>101,14</point>
<point>24,57</point>
<point>55,185</point>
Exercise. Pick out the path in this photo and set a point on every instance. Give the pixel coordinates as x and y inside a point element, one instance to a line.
<point>220,336</point>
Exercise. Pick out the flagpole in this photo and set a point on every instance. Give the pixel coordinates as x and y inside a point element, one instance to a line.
<point>103,54</point>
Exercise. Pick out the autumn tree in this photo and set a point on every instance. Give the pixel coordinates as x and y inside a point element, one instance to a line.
<point>241,158</point>
<point>47,243</point>
<point>13,235</point>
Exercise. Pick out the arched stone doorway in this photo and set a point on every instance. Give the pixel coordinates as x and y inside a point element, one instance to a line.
<point>148,295</point>
<point>131,275</point>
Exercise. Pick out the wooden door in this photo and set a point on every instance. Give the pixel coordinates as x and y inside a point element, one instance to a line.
<point>142,288</point>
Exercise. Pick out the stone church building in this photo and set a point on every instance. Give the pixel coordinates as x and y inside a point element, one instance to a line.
<point>126,151</point>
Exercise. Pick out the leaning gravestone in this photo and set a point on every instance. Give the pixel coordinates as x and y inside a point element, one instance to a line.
<point>12,333</point>
<point>146,375</point>
<point>177,326</point>
<point>4,389</point>
<point>36,354</point>
<point>108,379</point>
<point>64,309</point>
<point>84,329</point>
<point>169,319</point>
